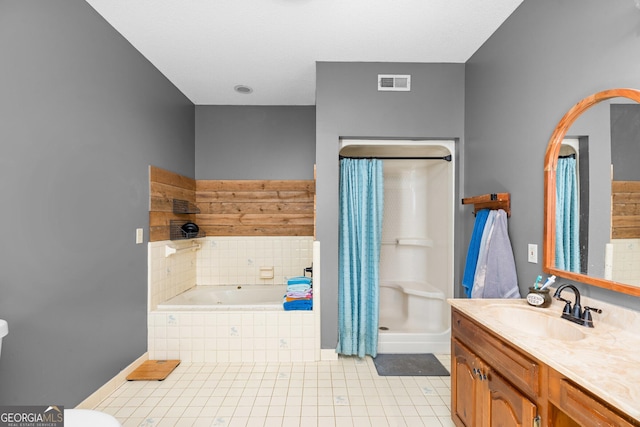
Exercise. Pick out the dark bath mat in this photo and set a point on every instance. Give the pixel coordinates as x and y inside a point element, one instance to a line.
<point>414,365</point>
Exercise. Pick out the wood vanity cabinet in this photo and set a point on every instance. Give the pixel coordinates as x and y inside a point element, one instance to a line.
<point>496,384</point>
<point>482,389</point>
<point>483,397</point>
<point>572,406</point>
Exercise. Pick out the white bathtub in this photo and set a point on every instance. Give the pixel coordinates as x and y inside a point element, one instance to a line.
<point>227,298</point>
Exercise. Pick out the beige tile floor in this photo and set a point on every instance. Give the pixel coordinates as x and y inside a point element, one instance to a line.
<point>346,392</point>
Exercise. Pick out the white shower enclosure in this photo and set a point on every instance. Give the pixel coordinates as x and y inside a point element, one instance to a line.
<point>416,257</point>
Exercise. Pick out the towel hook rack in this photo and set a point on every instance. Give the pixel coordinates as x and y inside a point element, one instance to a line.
<point>490,201</point>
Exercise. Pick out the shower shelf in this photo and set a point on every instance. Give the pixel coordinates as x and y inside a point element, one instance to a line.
<point>490,201</point>
<point>184,207</point>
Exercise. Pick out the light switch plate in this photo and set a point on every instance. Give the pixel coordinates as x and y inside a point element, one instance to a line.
<point>532,252</point>
<point>139,235</point>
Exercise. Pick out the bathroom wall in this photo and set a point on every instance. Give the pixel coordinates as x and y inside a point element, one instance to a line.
<point>165,187</point>
<point>259,207</point>
<point>233,336</point>
<point>82,115</point>
<point>237,260</point>
<point>547,56</point>
<point>255,142</point>
<point>348,104</point>
<point>170,275</point>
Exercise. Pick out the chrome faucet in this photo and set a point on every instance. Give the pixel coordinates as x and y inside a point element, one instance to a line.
<point>575,314</point>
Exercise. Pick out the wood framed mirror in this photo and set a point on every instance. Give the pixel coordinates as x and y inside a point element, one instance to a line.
<point>589,272</point>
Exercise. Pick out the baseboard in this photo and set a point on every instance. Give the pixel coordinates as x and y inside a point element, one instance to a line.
<point>115,382</point>
<point>328,354</point>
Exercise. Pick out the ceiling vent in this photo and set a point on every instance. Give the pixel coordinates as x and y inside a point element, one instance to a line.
<point>394,82</point>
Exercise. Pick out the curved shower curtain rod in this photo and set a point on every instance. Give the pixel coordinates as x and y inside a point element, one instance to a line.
<point>447,158</point>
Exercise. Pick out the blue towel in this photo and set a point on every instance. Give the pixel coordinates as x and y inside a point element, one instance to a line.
<point>474,249</point>
<point>298,305</point>
<point>481,267</point>
<point>298,280</point>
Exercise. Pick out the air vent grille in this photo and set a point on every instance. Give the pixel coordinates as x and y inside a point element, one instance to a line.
<point>394,82</point>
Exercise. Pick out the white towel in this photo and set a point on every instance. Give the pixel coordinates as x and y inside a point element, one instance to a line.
<point>500,279</point>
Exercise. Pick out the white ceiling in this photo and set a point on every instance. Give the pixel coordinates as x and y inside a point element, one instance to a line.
<point>206,47</point>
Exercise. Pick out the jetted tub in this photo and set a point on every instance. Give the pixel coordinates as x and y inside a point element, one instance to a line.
<point>227,298</point>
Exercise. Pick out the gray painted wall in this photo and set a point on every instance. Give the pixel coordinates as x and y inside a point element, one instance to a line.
<point>255,142</point>
<point>625,141</point>
<point>349,105</point>
<point>82,116</point>
<point>546,57</point>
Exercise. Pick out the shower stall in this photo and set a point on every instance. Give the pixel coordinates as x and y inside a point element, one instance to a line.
<point>416,255</point>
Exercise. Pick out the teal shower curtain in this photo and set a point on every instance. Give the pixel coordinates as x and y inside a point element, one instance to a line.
<point>567,216</point>
<point>360,228</point>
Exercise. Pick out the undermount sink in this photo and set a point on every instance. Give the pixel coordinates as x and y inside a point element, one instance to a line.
<point>536,322</point>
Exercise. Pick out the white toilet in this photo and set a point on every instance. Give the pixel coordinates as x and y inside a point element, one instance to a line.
<point>88,418</point>
<point>4,330</point>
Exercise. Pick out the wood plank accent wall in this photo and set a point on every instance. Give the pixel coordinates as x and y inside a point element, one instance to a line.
<point>256,207</point>
<point>164,186</point>
<point>625,209</point>
<point>232,207</point>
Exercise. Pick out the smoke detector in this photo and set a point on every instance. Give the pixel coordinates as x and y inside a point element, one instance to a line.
<point>394,82</point>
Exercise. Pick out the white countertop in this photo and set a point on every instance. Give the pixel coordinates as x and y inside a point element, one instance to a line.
<point>606,361</point>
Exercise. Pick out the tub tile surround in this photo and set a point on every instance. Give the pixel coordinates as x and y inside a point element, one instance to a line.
<point>625,265</point>
<point>237,260</point>
<point>224,261</point>
<point>261,336</point>
<point>170,275</point>
<point>228,336</point>
<point>605,362</point>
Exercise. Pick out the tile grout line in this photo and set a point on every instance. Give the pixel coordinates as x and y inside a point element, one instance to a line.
<point>411,394</point>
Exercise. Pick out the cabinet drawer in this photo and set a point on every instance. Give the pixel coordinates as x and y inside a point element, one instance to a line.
<point>521,370</point>
<point>580,406</point>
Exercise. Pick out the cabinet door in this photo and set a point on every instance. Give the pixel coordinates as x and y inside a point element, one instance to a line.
<point>466,393</point>
<point>505,405</point>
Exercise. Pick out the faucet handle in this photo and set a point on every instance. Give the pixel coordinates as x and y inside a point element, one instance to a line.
<point>586,315</point>
<point>587,309</point>
<point>567,306</point>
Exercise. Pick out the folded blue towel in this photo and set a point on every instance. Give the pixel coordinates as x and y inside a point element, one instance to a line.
<point>298,305</point>
<point>299,280</point>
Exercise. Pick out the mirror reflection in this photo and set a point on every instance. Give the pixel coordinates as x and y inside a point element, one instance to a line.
<point>597,184</point>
